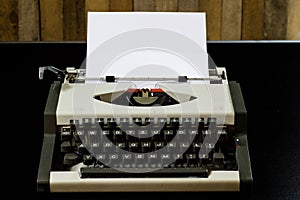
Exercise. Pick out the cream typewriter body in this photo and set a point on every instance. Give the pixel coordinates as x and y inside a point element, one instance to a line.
<point>183,134</point>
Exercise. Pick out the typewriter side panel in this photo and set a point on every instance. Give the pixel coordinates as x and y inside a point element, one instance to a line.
<point>45,163</point>
<point>242,151</point>
<point>46,158</point>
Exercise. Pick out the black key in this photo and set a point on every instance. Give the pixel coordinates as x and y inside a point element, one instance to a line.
<point>65,147</point>
<point>127,160</point>
<point>162,122</point>
<point>172,147</point>
<point>186,122</point>
<point>222,134</point>
<point>118,135</point>
<point>94,172</point>
<point>140,160</point>
<point>111,123</point>
<point>155,135</point>
<point>149,122</point>
<point>108,147</point>
<point>92,135</point>
<point>210,136</point>
<point>104,133</point>
<point>71,159</point>
<point>192,160</point>
<point>66,134</point>
<point>183,146</point>
<point>146,147</point>
<point>143,133</point>
<point>82,149</point>
<point>131,135</point>
<point>206,133</point>
<point>121,145</point>
<point>153,159</point>
<point>137,121</point>
<point>179,161</point>
<point>194,136</point>
<point>168,135</point>
<point>174,123</point>
<point>165,159</point>
<point>99,121</point>
<point>154,132</point>
<point>196,146</point>
<point>200,122</point>
<point>218,159</point>
<point>182,135</point>
<point>114,159</point>
<point>79,136</point>
<point>209,146</point>
<point>200,128</point>
<point>124,123</point>
<point>74,123</point>
<point>102,158</point>
<point>86,121</point>
<point>204,159</point>
<point>95,147</point>
<point>134,146</point>
<point>212,123</point>
<point>181,132</point>
<point>88,159</point>
<point>158,145</point>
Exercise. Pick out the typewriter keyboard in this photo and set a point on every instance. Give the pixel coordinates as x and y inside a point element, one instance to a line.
<point>162,148</point>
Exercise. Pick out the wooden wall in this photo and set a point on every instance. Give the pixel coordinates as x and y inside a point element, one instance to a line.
<point>57,20</point>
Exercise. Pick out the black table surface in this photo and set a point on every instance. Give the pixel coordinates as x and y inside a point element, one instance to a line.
<point>268,72</point>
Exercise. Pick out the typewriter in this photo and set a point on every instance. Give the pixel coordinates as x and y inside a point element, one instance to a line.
<point>111,136</point>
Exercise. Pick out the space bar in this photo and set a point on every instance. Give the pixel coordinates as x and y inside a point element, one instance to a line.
<point>94,172</point>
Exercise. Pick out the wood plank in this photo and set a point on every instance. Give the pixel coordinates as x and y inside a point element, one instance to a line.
<point>51,19</point>
<point>120,5</point>
<point>144,5</point>
<point>253,20</point>
<point>213,9</point>
<point>29,28</point>
<point>9,20</point>
<point>74,20</point>
<point>275,23</point>
<point>231,19</point>
<point>293,25</point>
<point>188,6</point>
<point>95,6</point>
<point>166,5</point>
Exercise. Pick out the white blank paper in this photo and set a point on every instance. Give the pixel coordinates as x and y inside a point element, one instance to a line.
<point>155,44</point>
